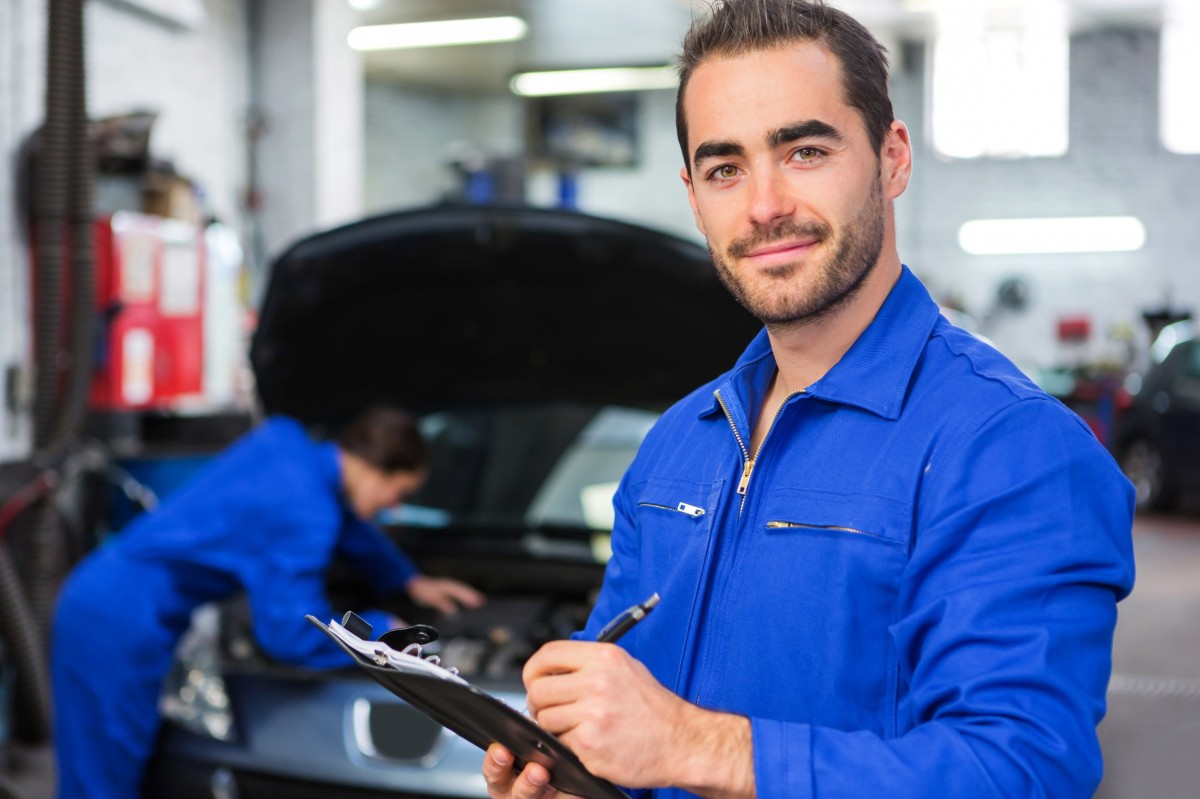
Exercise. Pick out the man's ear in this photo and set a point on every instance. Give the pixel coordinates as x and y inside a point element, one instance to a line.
<point>895,160</point>
<point>687,181</point>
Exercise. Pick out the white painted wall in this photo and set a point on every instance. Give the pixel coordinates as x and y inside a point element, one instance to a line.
<point>310,159</point>
<point>195,78</point>
<point>21,56</point>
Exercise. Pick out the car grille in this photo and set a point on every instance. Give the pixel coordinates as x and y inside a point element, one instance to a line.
<point>393,731</point>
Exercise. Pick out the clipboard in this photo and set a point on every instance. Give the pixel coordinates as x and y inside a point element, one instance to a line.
<point>475,715</point>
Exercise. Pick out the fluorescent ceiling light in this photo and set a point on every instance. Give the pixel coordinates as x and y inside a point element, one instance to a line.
<point>441,33</point>
<point>591,81</point>
<point>1074,234</point>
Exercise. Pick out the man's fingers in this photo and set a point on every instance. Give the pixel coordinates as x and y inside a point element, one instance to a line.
<point>498,766</point>
<point>559,657</point>
<point>533,783</point>
<point>468,596</point>
<point>504,783</point>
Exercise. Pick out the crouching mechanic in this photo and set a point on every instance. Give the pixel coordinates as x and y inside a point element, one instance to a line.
<point>902,579</point>
<point>267,517</point>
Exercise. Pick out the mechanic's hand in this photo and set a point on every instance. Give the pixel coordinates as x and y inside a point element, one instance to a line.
<point>504,782</point>
<point>609,710</point>
<point>627,728</point>
<point>443,593</point>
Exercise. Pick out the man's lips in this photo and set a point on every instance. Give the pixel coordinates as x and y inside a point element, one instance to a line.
<point>781,250</point>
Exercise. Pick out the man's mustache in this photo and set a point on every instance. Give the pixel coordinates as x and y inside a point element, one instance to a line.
<point>788,229</point>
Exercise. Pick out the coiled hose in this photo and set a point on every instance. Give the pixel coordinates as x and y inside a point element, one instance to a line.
<point>62,200</point>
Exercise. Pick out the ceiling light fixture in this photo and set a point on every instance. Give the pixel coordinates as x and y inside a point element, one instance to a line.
<point>1064,235</point>
<point>593,81</point>
<point>440,33</point>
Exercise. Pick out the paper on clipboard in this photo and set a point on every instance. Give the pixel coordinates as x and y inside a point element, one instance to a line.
<point>384,655</point>
<point>475,715</point>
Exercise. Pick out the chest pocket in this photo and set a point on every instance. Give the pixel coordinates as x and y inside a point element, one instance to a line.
<point>849,549</point>
<point>839,558</point>
<point>674,521</point>
<point>824,569</point>
<point>825,514</point>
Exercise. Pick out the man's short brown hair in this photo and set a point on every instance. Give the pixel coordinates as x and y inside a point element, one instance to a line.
<point>737,27</point>
<point>387,438</point>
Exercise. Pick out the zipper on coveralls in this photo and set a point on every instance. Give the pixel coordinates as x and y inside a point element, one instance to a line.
<point>748,467</point>
<point>789,525</point>
<point>682,507</point>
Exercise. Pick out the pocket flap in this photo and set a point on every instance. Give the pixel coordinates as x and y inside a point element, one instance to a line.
<point>847,513</point>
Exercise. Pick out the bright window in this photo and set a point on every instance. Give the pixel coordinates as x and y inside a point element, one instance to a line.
<point>1179,75</point>
<point>999,78</point>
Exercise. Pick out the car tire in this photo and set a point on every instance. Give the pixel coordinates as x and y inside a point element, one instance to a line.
<point>1142,463</point>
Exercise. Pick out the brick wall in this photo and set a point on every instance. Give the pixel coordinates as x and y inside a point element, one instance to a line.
<point>1116,165</point>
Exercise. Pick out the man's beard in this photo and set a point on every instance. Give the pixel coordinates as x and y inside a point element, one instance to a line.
<point>836,279</point>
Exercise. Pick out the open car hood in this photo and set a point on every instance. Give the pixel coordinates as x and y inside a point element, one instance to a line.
<point>477,304</point>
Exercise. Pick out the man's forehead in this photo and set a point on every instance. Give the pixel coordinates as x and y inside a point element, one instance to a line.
<point>756,93</point>
<point>804,66</point>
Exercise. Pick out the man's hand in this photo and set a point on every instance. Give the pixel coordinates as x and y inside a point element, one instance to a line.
<point>625,727</point>
<point>443,593</point>
<point>504,782</point>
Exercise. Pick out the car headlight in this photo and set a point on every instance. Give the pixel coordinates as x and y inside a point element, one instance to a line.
<point>194,695</point>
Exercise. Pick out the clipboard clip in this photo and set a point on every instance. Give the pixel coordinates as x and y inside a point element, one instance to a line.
<point>397,639</point>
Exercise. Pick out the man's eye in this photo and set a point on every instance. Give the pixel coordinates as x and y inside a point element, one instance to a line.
<point>806,154</point>
<point>725,172</point>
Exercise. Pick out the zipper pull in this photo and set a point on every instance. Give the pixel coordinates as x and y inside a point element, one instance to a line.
<point>690,510</point>
<point>745,481</point>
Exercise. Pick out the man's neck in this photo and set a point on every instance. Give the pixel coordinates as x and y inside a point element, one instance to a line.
<point>805,352</point>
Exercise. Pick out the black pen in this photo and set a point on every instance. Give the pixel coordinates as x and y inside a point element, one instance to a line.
<point>625,621</point>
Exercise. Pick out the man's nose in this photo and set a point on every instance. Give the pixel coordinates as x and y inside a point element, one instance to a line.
<point>770,199</point>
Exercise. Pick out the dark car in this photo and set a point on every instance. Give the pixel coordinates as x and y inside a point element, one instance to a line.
<point>1157,438</point>
<point>538,347</point>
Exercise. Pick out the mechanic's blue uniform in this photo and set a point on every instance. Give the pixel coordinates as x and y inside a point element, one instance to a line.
<point>266,516</point>
<point>914,592</point>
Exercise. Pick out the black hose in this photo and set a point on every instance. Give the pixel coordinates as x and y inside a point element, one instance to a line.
<point>80,217</point>
<point>51,189</point>
<point>48,555</point>
<point>24,644</point>
<point>62,204</point>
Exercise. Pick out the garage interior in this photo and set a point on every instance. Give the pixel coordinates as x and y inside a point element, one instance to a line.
<point>197,145</point>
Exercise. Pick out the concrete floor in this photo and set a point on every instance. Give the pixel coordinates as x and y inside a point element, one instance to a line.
<point>1151,737</point>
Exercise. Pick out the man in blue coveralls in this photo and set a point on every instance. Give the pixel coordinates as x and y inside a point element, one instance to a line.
<point>903,579</point>
<point>266,517</point>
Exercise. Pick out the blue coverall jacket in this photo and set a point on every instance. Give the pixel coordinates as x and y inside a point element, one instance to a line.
<point>911,593</point>
<point>265,517</point>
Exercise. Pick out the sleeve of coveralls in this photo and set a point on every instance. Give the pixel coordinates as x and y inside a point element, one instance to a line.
<point>620,578</point>
<point>384,566</point>
<point>620,574</point>
<point>1004,634</point>
<point>288,582</point>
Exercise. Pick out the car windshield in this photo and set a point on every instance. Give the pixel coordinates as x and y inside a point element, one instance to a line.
<point>550,465</point>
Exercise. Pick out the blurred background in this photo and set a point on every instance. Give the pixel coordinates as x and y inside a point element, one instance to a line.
<point>189,143</point>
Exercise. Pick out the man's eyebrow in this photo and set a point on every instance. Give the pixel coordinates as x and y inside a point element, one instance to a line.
<point>716,149</point>
<point>809,129</point>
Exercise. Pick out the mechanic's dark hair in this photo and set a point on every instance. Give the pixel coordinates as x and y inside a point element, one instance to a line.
<point>737,27</point>
<point>387,438</point>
